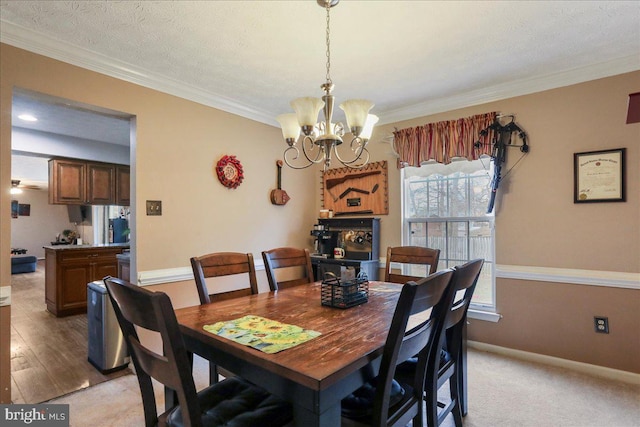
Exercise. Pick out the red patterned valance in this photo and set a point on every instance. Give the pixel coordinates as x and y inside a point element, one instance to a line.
<point>442,141</point>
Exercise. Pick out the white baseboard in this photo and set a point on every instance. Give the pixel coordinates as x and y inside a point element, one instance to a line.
<point>595,370</point>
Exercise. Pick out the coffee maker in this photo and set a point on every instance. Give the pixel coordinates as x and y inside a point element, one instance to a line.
<point>324,241</point>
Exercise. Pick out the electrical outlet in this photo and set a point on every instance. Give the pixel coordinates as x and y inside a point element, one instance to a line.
<point>154,207</point>
<point>601,324</point>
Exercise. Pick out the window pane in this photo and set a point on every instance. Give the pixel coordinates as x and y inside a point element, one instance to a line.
<point>418,234</point>
<point>480,242</point>
<point>457,186</point>
<point>457,249</point>
<point>437,199</point>
<point>417,195</point>
<point>449,203</point>
<point>483,294</point>
<point>436,236</point>
<point>479,195</point>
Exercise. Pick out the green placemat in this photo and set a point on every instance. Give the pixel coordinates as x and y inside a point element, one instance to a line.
<point>268,336</point>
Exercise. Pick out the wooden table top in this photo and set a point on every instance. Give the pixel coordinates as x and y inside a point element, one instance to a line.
<point>351,338</point>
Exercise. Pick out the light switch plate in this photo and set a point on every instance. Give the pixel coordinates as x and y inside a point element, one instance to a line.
<point>154,207</point>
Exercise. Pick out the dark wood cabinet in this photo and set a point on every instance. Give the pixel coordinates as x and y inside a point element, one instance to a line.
<point>79,182</point>
<point>101,184</point>
<point>124,266</point>
<point>69,270</point>
<point>123,186</point>
<point>67,182</point>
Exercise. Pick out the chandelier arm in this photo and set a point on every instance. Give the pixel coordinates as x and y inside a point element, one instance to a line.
<point>361,148</point>
<point>319,157</point>
<point>292,154</point>
<point>296,155</point>
<point>360,156</point>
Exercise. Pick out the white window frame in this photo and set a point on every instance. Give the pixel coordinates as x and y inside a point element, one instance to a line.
<point>483,311</point>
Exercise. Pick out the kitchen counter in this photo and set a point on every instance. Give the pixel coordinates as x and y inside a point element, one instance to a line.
<point>68,270</point>
<point>76,247</point>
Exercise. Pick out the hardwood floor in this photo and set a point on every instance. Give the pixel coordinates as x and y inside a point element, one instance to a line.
<point>48,354</point>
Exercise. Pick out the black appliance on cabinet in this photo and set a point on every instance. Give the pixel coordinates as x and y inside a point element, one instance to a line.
<point>360,239</point>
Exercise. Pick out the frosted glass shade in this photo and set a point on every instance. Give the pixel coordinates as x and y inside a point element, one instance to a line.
<point>307,110</point>
<point>356,111</point>
<point>289,124</point>
<point>372,119</point>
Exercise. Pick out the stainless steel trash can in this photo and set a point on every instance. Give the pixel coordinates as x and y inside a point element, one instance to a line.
<point>107,348</point>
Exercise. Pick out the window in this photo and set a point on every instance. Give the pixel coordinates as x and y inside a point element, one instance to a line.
<point>444,207</point>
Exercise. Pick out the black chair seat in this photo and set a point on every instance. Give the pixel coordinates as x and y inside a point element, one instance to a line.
<point>359,404</point>
<point>236,403</point>
<point>409,366</point>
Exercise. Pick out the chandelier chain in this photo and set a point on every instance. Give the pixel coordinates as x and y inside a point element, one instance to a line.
<point>328,6</point>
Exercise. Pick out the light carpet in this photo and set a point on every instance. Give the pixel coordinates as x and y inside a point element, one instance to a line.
<point>503,392</point>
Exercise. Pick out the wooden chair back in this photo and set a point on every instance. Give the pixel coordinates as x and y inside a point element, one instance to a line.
<point>453,367</point>
<point>223,264</point>
<point>414,255</point>
<point>287,257</point>
<point>416,329</point>
<point>451,360</point>
<point>137,306</point>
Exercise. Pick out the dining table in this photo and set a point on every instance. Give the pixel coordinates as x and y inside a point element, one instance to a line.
<point>313,376</point>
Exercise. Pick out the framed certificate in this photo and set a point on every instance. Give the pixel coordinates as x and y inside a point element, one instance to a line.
<point>599,176</point>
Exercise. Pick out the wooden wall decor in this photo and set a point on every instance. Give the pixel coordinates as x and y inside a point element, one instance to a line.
<point>350,191</point>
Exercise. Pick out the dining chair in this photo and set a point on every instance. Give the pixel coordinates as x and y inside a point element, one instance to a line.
<point>452,358</point>
<point>421,260</point>
<point>219,264</point>
<point>281,258</point>
<point>384,401</point>
<point>230,402</point>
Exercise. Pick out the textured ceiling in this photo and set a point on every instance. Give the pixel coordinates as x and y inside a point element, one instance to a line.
<point>411,58</point>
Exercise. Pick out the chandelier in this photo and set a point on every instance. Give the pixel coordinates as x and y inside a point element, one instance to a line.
<point>319,140</point>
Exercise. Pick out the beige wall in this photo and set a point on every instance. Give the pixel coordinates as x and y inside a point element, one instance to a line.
<point>537,224</point>
<point>42,225</point>
<point>178,141</point>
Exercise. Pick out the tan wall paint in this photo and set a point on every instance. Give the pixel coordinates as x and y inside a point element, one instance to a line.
<point>537,224</point>
<point>557,320</point>
<point>177,143</point>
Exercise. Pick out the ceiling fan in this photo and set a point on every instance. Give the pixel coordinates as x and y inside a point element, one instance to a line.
<point>16,187</point>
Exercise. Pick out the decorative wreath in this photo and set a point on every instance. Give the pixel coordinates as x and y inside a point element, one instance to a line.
<point>229,171</point>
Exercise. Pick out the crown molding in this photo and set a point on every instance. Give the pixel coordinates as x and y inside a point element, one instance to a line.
<point>515,88</point>
<point>32,41</point>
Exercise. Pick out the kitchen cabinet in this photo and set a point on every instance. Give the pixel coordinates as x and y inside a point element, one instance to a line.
<point>68,270</point>
<point>79,182</point>
<point>101,188</point>
<point>67,182</point>
<point>123,187</point>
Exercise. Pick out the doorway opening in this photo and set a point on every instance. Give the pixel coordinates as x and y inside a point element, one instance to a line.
<point>49,353</point>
